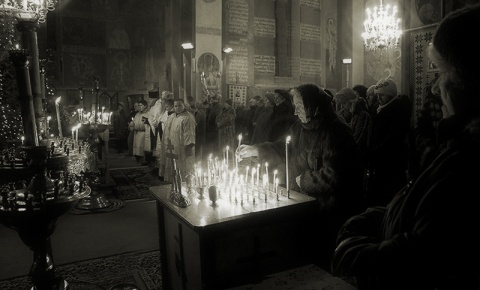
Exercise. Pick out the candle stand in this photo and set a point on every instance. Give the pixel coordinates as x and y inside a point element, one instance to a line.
<point>33,210</point>
<point>96,200</point>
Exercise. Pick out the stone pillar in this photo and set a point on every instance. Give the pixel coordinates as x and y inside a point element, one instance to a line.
<point>28,29</point>
<point>21,62</point>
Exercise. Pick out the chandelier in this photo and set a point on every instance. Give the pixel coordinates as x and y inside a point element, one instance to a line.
<point>28,9</point>
<point>382,27</point>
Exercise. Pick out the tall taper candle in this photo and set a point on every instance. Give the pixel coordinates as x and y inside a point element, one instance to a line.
<point>59,122</point>
<point>286,165</point>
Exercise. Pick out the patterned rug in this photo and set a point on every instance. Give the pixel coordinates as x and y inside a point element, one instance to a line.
<point>141,270</point>
<point>134,182</point>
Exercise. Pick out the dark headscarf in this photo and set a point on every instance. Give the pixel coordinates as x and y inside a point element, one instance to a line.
<point>316,101</point>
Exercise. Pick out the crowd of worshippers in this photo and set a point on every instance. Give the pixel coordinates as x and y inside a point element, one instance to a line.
<point>390,149</point>
<point>396,196</point>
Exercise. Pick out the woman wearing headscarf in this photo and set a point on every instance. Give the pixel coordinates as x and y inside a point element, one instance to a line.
<point>323,162</point>
<point>425,238</point>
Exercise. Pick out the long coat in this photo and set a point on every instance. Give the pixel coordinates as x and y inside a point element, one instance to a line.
<point>138,135</point>
<point>325,156</point>
<point>180,131</point>
<point>425,237</point>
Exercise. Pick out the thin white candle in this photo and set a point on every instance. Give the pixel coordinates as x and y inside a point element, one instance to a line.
<point>228,148</point>
<point>73,133</point>
<point>275,176</point>
<point>286,164</point>
<point>253,176</point>
<point>246,174</point>
<point>276,186</point>
<point>59,122</point>
<point>258,174</point>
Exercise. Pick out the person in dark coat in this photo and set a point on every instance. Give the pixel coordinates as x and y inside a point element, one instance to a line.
<point>211,141</point>
<point>323,162</point>
<point>425,238</point>
<point>388,150</point>
<point>283,116</point>
<point>120,127</point>
<point>263,123</point>
<point>200,120</point>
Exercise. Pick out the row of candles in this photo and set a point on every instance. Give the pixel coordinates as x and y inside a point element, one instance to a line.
<point>103,117</point>
<point>219,172</point>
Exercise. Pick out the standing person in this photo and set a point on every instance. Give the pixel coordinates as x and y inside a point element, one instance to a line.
<point>180,132</point>
<point>226,125</point>
<point>150,131</point>
<point>139,133</point>
<point>418,241</point>
<point>160,123</point>
<point>131,116</point>
<point>361,91</point>
<point>211,128</point>
<point>388,150</point>
<point>283,114</point>
<point>248,120</point>
<point>342,102</point>
<point>120,127</point>
<point>361,124</point>
<point>263,124</point>
<point>323,161</point>
<point>200,121</point>
<point>372,101</point>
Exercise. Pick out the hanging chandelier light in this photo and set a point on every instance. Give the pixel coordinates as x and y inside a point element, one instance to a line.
<point>28,9</point>
<point>382,27</point>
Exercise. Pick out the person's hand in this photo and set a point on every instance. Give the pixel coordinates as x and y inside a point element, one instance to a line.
<point>189,150</point>
<point>297,180</point>
<point>246,151</point>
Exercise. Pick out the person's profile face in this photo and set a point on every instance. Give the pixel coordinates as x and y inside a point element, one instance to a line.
<point>299,106</point>
<point>383,99</point>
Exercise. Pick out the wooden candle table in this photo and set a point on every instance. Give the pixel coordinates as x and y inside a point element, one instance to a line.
<point>232,241</point>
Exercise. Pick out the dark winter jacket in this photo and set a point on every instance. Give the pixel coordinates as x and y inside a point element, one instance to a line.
<point>425,238</point>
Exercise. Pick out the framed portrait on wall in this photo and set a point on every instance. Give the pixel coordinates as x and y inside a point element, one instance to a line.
<point>73,98</point>
<point>425,12</point>
<point>133,98</point>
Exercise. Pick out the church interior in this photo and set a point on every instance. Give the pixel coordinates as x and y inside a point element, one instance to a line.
<point>67,65</point>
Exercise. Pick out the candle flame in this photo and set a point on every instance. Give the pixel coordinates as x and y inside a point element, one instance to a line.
<point>288,139</point>
<point>57,101</point>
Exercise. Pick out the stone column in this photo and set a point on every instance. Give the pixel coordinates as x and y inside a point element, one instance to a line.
<point>20,59</point>
<point>28,29</point>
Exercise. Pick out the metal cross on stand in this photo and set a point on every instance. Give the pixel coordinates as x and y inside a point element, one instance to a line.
<point>176,197</point>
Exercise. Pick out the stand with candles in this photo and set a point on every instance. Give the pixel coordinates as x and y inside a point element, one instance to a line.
<point>95,126</point>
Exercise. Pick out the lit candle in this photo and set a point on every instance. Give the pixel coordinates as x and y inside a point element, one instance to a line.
<point>253,176</point>
<point>275,175</point>
<point>258,174</point>
<point>286,165</point>
<point>103,110</point>
<point>48,125</point>
<point>266,174</point>
<point>246,174</point>
<point>228,148</point>
<point>23,139</point>
<point>73,133</point>
<point>276,186</point>
<point>57,109</point>
<point>239,140</point>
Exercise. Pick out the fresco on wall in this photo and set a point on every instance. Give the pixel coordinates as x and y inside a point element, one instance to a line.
<point>383,63</point>
<point>120,75</point>
<point>209,69</point>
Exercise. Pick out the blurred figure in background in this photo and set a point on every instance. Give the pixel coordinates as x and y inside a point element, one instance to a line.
<point>120,128</point>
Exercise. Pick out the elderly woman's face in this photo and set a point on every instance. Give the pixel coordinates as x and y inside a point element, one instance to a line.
<point>299,107</point>
<point>445,81</point>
